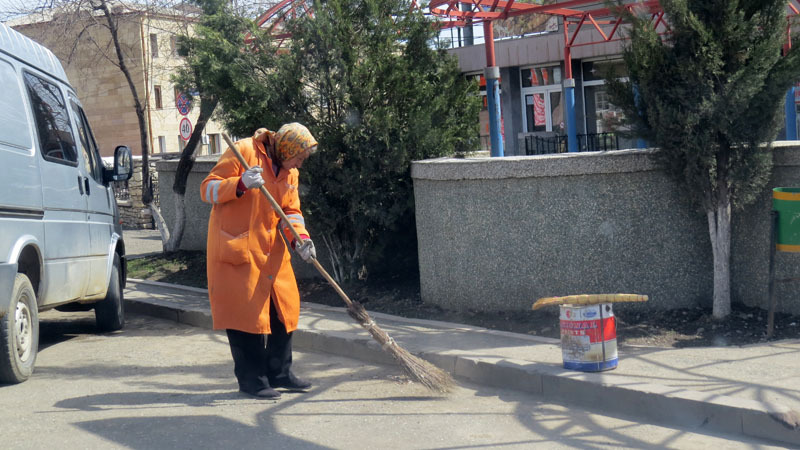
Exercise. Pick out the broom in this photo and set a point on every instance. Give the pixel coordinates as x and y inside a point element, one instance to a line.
<point>588,299</point>
<point>422,371</point>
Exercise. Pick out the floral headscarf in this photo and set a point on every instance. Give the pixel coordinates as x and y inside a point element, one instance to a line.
<point>289,141</point>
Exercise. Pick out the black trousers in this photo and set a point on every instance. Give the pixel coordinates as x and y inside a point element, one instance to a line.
<point>260,359</point>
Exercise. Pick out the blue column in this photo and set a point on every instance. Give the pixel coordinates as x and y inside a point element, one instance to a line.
<point>492,74</point>
<point>791,116</point>
<point>569,99</point>
<point>637,99</point>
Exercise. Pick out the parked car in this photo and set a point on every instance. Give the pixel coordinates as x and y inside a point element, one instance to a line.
<point>60,236</point>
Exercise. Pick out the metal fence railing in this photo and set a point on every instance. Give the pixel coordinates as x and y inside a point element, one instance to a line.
<point>121,191</point>
<point>591,142</point>
<point>598,142</point>
<point>542,145</point>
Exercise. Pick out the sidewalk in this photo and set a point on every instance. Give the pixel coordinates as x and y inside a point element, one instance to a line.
<point>754,390</point>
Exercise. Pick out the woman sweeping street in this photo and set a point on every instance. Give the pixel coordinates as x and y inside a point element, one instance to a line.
<point>251,284</point>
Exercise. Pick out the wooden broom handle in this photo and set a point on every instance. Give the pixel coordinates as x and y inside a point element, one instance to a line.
<point>282,215</point>
<point>264,190</point>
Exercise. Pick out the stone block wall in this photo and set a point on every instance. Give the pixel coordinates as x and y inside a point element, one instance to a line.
<point>132,211</point>
<point>498,233</point>
<point>197,212</point>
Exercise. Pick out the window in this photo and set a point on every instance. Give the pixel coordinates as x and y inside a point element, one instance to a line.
<point>542,100</point>
<point>604,110</point>
<point>162,144</point>
<point>157,97</point>
<point>213,144</point>
<point>601,115</point>
<point>153,45</point>
<point>541,76</point>
<point>52,121</point>
<point>14,129</point>
<point>91,157</point>
<point>544,112</point>
<point>598,70</point>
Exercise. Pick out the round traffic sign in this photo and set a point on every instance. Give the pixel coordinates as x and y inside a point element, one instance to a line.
<point>183,103</point>
<point>186,128</point>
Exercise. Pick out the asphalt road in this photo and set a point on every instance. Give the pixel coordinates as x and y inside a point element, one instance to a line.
<point>158,384</point>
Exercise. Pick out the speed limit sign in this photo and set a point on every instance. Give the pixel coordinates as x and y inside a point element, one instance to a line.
<point>186,128</point>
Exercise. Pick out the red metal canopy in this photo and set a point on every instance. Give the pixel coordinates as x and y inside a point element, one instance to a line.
<point>576,14</point>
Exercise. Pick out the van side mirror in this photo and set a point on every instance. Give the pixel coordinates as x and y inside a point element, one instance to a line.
<point>123,165</point>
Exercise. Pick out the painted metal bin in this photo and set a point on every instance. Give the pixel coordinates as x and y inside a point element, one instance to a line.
<point>588,337</point>
<point>786,201</point>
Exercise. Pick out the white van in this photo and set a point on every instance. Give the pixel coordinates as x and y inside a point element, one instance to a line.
<point>60,237</point>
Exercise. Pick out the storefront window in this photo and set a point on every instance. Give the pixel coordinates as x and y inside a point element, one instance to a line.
<point>543,115</point>
<point>601,115</point>
<point>534,112</point>
<point>605,113</point>
<point>541,76</point>
<point>542,99</point>
<point>598,70</point>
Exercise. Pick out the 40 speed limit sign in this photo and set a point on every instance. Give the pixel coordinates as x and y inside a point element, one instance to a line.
<point>185,128</point>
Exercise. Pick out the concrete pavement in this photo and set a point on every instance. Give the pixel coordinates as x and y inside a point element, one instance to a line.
<point>158,384</point>
<point>752,391</point>
<point>140,242</point>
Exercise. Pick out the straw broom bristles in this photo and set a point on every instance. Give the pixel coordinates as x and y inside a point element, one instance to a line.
<point>420,370</point>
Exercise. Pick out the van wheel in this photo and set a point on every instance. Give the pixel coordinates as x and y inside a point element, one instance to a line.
<point>19,333</point>
<point>110,312</point>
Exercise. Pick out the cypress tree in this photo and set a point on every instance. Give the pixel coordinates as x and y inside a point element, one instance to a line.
<point>709,95</point>
<point>365,78</point>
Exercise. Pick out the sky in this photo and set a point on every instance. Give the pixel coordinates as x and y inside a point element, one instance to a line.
<point>10,6</point>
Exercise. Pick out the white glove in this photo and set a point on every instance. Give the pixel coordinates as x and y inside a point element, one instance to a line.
<point>307,250</point>
<point>251,178</point>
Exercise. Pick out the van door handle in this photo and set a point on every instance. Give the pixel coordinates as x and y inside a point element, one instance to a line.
<point>86,183</point>
<point>80,184</point>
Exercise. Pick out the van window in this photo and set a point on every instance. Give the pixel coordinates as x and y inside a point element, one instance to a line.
<point>14,128</point>
<point>91,157</point>
<point>52,120</point>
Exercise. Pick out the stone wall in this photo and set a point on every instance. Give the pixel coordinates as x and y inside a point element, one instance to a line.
<point>132,211</point>
<point>197,212</point>
<point>499,233</point>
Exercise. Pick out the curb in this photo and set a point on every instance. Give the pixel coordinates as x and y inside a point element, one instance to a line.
<point>698,411</point>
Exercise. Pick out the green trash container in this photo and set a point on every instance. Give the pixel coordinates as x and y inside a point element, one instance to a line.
<point>786,201</point>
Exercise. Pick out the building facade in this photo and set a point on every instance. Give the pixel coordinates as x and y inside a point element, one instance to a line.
<point>532,100</point>
<point>532,93</point>
<point>149,42</point>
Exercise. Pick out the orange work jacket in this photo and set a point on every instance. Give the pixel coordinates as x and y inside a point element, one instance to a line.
<point>247,259</point>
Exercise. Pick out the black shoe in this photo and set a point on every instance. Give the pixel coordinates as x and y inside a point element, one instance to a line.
<point>264,392</point>
<point>290,382</point>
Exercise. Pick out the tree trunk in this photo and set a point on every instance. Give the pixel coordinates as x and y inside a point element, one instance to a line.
<point>172,240</point>
<point>188,154</point>
<point>333,254</point>
<point>161,225</point>
<point>719,227</point>
<point>147,186</point>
